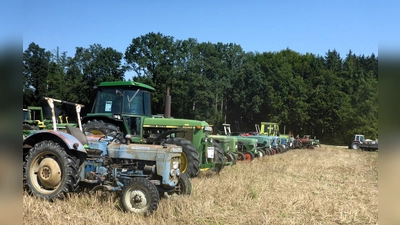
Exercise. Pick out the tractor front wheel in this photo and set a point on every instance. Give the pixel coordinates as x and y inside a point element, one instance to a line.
<point>190,159</point>
<point>240,156</point>
<point>230,157</point>
<point>50,172</point>
<point>261,154</point>
<point>249,156</point>
<point>140,196</point>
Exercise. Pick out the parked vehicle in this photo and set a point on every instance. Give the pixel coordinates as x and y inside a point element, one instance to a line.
<point>359,142</point>
<point>123,107</point>
<point>247,147</point>
<point>56,163</point>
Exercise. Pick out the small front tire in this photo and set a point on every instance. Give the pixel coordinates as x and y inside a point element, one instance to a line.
<point>140,196</point>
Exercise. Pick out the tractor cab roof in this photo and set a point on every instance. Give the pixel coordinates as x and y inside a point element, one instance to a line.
<point>126,84</point>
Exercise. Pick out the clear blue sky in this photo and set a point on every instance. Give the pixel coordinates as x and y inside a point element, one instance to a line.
<point>312,26</point>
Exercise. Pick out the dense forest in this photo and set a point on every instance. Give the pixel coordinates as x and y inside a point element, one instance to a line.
<point>326,96</point>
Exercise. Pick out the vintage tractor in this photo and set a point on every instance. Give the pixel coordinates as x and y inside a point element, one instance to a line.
<point>263,144</point>
<point>247,147</point>
<point>124,107</point>
<point>305,142</point>
<point>272,129</point>
<point>229,145</point>
<point>314,141</point>
<point>33,119</point>
<point>56,163</point>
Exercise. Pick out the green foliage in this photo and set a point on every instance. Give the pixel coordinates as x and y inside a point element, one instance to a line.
<point>327,96</point>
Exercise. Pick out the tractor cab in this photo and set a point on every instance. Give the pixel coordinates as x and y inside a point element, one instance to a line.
<point>269,129</point>
<point>359,138</point>
<point>121,101</point>
<point>124,103</point>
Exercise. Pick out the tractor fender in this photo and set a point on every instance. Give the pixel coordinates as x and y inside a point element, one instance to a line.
<point>64,139</point>
<point>164,135</point>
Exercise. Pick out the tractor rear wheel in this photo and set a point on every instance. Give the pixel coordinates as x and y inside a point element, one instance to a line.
<point>184,187</point>
<point>50,172</point>
<point>100,127</point>
<point>140,196</point>
<point>190,159</point>
<point>26,126</point>
<point>354,145</point>
<point>218,157</point>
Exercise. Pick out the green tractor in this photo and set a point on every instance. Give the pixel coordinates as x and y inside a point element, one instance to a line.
<point>33,119</point>
<point>122,109</point>
<point>247,147</point>
<point>229,145</point>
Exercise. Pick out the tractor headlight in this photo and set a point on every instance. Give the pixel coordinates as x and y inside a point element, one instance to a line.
<point>175,165</point>
<point>211,140</point>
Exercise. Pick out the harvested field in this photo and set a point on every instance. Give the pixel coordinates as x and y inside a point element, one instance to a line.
<point>327,185</point>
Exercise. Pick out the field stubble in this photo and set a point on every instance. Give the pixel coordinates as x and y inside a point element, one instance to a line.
<point>327,185</point>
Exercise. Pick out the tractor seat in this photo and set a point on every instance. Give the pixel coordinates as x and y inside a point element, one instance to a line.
<point>77,133</point>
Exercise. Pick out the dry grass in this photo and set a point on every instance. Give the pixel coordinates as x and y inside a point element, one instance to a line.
<point>327,185</point>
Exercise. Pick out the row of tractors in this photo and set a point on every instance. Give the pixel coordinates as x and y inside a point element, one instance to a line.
<point>121,147</point>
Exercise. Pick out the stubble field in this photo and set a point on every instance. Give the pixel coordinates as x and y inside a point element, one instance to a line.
<point>327,185</point>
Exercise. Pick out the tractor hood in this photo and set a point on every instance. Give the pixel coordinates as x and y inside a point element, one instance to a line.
<point>260,139</point>
<point>221,138</point>
<point>246,141</point>
<point>175,123</point>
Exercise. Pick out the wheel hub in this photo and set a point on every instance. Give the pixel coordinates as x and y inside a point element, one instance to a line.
<point>49,173</point>
<point>184,163</point>
<point>138,199</point>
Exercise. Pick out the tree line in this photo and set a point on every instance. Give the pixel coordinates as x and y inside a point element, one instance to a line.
<point>326,96</point>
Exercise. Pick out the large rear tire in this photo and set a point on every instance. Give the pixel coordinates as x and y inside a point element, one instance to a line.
<point>26,126</point>
<point>99,126</point>
<point>50,172</point>
<point>140,196</point>
<point>190,159</point>
<point>219,157</point>
<point>354,146</point>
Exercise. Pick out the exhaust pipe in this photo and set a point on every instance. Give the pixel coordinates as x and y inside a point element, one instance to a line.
<point>167,111</point>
